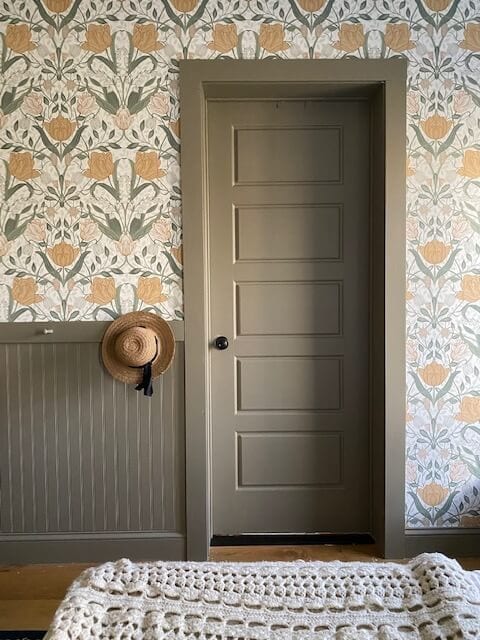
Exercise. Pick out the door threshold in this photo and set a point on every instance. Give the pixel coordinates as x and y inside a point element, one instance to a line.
<point>256,539</point>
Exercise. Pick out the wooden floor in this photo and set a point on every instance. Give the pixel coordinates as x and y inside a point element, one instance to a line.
<point>29,594</point>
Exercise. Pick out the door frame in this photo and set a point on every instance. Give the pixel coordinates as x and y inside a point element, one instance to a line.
<point>384,83</point>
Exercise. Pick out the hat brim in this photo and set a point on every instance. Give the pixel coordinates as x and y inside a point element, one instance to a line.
<point>166,345</point>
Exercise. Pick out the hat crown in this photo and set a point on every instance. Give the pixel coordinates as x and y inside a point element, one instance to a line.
<point>136,346</point>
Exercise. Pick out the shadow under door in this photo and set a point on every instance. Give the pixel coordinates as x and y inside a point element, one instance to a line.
<point>289,185</point>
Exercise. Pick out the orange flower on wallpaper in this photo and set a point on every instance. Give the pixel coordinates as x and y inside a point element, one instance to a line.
<point>470,521</point>
<point>175,127</point>
<point>469,409</point>
<point>21,166</point>
<point>125,244</point>
<point>150,290</point>
<point>89,230</point>
<point>97,38</point>
<point>471,164</point>
<point>184,6</point>
<point>435,251</point>
<point>147,165</point>
<point>60,128</point>
<point>471,37</point>
<point>177,253</point>
<point>272,38</point>
<point>102,290</point>
<point>410,171</point>
<point>434,374</point>
<point>57,6</point>
<point>145,38</point>
<point>311,5</point>
<point>123,119</point>
<point>24,291</point>
<point>433,494</point>
<point>18,38</point>
<point>225,38</point>
<point>397,37</point>
<point>63,254</point>
<point>100,165</point>
<point>470,290</point>
<point>350,37</point>
<point>436,127</point>
<point>4,245</point>
<point>438,5</point>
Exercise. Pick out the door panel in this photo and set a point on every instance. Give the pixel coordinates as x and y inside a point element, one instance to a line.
<point>279,383</point>
<point>314,459</point>
<point>289,274</point>
<point>289,233</point>
<point>287,154</point>
<point>270,308</point>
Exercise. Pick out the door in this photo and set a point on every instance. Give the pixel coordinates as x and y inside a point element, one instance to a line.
<point>289,290</point>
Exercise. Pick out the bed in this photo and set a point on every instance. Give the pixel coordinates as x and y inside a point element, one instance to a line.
<point>431,597</point>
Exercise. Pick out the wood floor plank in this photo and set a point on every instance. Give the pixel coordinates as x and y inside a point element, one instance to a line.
<point>287,553</point>
<point>37,581</point>
<point>27,614</point>
<point>30,594</point>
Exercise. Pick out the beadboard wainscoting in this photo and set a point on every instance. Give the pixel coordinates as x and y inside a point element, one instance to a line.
<point>90,469</point>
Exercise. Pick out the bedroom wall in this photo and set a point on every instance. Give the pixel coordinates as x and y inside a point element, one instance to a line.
<point>90,220</point>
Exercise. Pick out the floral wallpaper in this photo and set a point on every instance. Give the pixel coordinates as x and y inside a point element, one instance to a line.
<point>90,217</point>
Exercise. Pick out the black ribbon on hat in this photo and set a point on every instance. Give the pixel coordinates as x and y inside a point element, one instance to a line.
<point>146,383</point>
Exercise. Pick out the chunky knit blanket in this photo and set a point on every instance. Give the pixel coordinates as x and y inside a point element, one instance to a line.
<point>429,598</point>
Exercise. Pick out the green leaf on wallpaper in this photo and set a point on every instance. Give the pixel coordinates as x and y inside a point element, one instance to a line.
<point>109,102</point>
<point>421,265</point>
<point>13,230</point>
<point>426,145</point>
<point>10,191</point>
<point>426,15</point>
<point>298,14</point>
<point>446,387</point>
<point>16,314</point>
<point>108,63</point>
<point>46,141</point>
<point>53,272</point>
<point>446,144</point>
<point>133,64</point>
<point>473,346</point>
<point>70,15</point>
<point>45,15</point>
<point>197,15</point>
<point>141,187</point>
<point>420,508</point>
<point>112,229</point>
<point>447,266</point>
<point>78,265</point>
<point>171,261</point>
<point>137,229</point>
<point>8,103</point>
<point>106,187</point>
<point>423,390</point>
<point>446,506</point>
<point>450,13</point>
<point>171,138</point>
<point>74,141</point>
<point>171,14</point>
<point>135,103</point>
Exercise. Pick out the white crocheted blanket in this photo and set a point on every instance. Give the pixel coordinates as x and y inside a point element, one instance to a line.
<point>429,598</point>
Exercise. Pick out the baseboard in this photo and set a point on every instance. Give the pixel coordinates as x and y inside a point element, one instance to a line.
<point>452,542</point>
<point>101,547</point>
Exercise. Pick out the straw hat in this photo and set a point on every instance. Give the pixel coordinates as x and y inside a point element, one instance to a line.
<point>138,347</point>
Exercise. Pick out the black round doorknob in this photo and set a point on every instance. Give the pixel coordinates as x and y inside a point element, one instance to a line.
<point>221,343</point>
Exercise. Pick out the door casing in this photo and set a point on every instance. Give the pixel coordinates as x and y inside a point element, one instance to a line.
<point>384,82</point>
